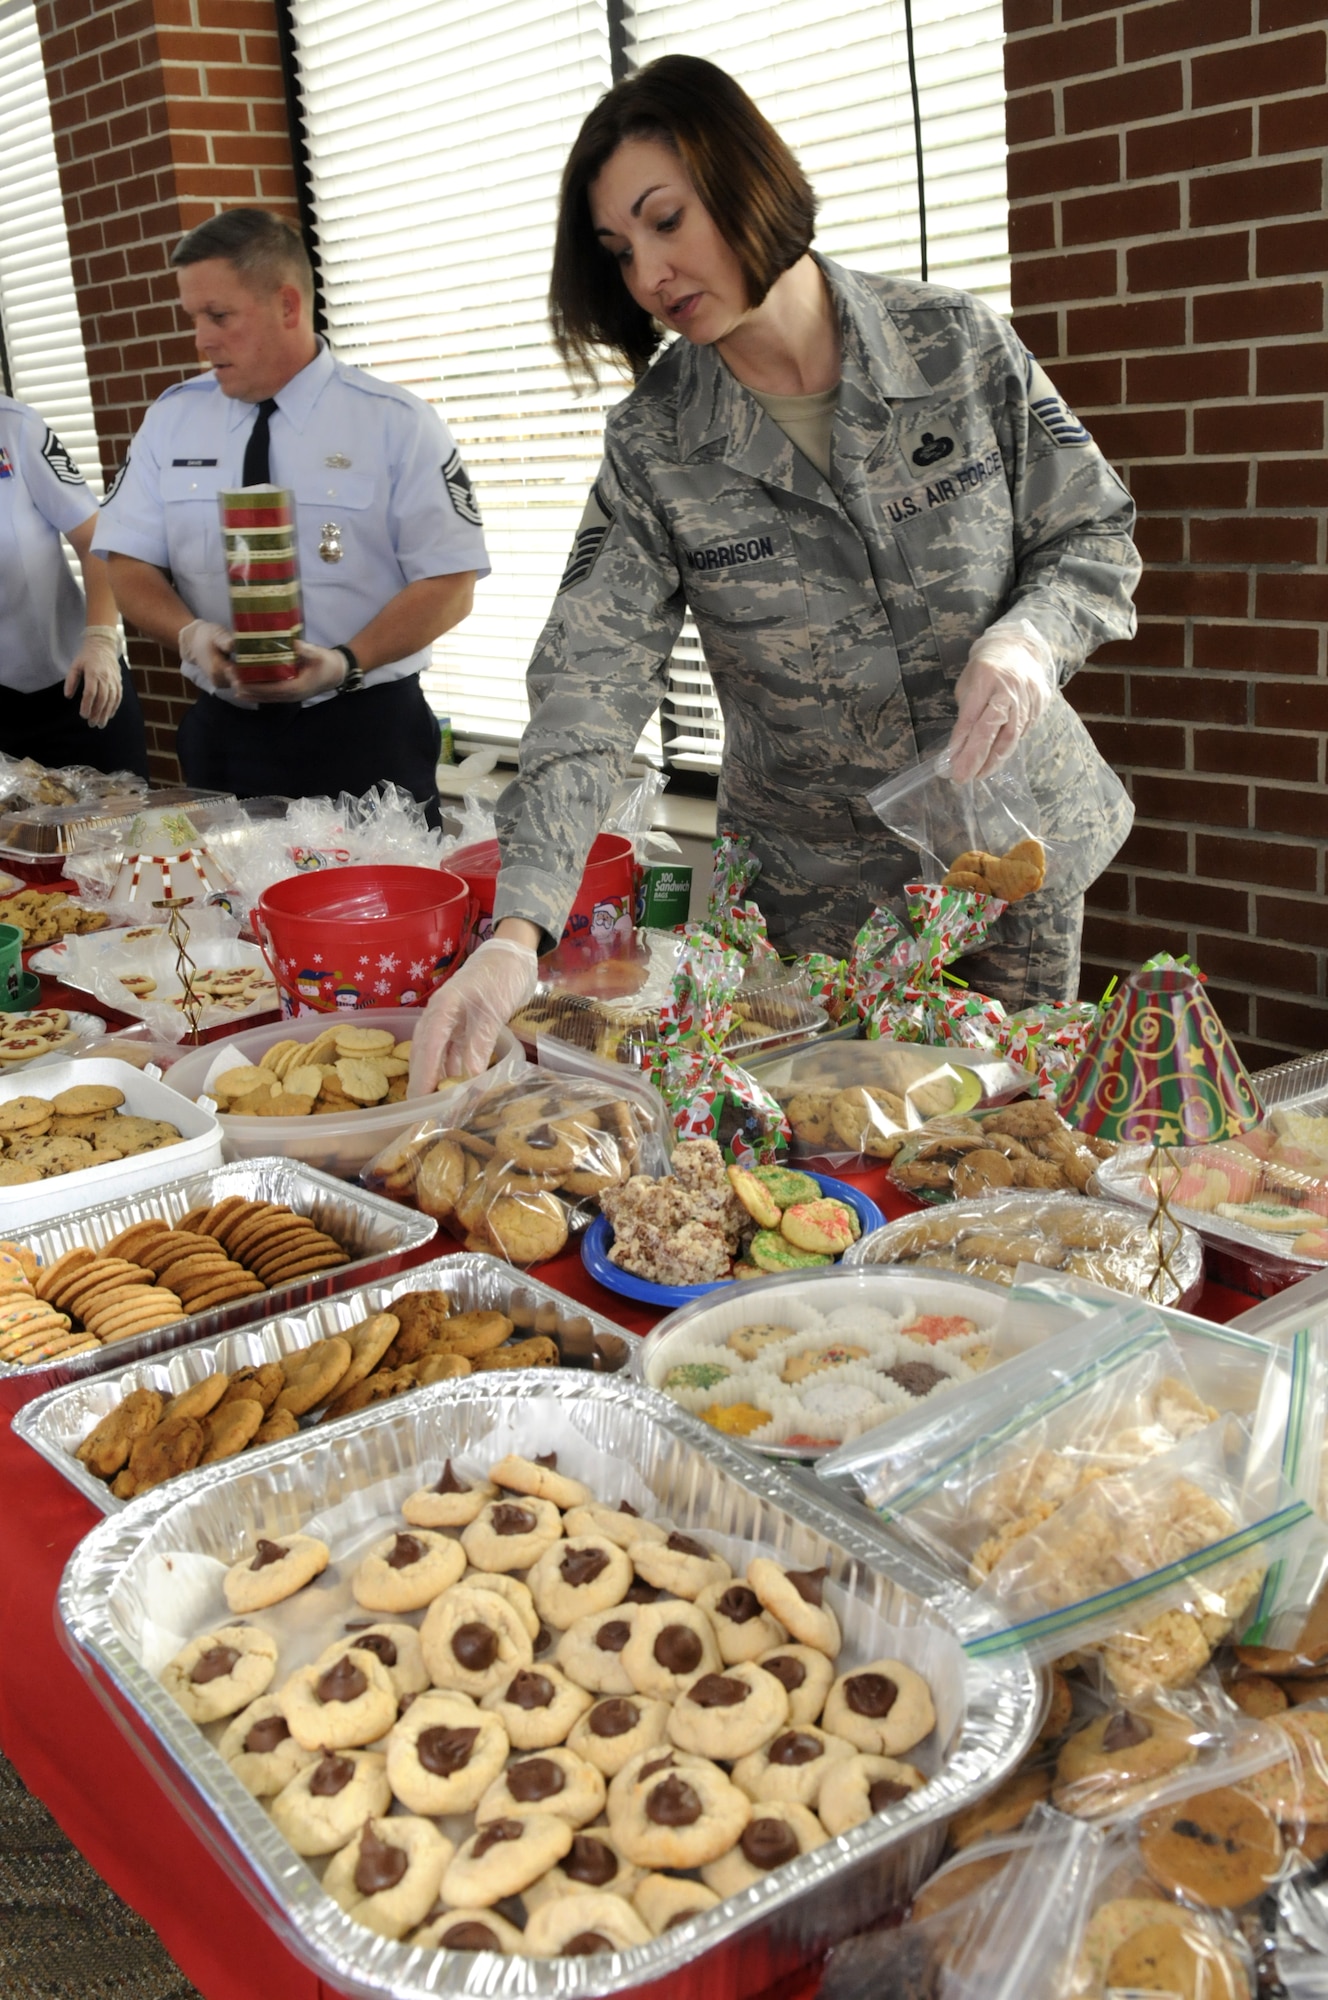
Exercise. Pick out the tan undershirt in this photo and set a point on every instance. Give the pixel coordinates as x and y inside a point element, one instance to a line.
<point>807,420</point>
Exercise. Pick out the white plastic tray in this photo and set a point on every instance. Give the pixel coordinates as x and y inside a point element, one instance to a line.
<point>199,1146</point>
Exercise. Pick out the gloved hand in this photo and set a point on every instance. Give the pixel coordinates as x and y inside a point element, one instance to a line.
<point>1008,681</point>
<point>209,647</point>
<point>321,671</point>
<point>459,1027</point>
<point>96,665</point>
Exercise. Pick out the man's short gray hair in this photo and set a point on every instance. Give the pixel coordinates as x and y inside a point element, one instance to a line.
<point>266,251</point>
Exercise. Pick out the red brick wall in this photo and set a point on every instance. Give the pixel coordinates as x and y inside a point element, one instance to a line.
<point>164,111</point>
<point>1170,241</point>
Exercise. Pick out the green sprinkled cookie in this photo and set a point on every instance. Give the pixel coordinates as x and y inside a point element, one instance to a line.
<point>786,1186</point>
<point>696,1375</point>
<point>774,1252</point>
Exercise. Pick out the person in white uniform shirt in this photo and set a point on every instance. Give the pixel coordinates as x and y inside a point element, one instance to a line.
<point>65,694</point>
<point>388,533</point>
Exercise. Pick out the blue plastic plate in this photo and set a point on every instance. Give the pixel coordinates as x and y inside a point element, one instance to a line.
<point>595,1251</point>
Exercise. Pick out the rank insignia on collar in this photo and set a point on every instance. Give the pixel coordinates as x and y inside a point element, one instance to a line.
<point>337,461</point>
<point>329,546</point>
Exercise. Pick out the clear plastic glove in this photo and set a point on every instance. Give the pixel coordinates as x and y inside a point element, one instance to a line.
<point>96,666</point>
<point>459,1027</point>
<point>208,647</point>
<point>321,672</point>
<point>1008,681</point>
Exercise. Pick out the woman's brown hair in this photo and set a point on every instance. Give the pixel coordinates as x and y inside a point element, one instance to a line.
<point>750,182</point>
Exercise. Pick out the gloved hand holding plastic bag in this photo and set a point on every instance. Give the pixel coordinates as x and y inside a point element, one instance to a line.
<point>459,1027</point>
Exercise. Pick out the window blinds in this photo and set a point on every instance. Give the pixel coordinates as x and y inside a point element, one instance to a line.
<point>38,308</point>
<point>436,138</point>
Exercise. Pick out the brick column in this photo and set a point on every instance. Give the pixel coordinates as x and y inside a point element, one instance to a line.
<point>164,112</point>
<point>1170,239</point>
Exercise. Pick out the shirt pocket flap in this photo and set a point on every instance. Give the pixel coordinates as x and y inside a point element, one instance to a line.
<point>189,482</point>
<point>348,491</point>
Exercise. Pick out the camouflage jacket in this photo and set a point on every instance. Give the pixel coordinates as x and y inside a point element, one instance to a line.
<point>835,616</point>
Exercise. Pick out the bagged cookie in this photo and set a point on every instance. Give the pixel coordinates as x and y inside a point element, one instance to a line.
<point>985,836</point>
<point>982,1151</point>
<point>709,1096</point>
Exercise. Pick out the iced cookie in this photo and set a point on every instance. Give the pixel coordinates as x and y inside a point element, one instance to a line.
<point>792,1766</point>
<point>856,1788</point>
<point>592,1862</point>
<point>665,1901</point>
<point>444,1753</point>
<point>388,1875</point>
<point>451,1502</point>
<point>1220,1848</point>
<point>1117,1760</point>
<point>258,1746</point>
<point>621,1525</point>
<point>611,1733</point>
<point>668,1644</point>
<point>795,1597</point>
<point>397,1646</point>
<point>819,1361</point>
<point>825,1225</point>
<point>591,1651</point>
<point>584,1926</point>
<point>221,1672</point>
<point>552,1781</point>
<point>505,1856</point>
<point>274,1571</point>
<point>512,1534</point>
<point>577,1578</point>
<point>406,1571</point>
<point>540,1479</point>
<point>772,1252</point>
<point>775,1834</point>
<point>805,1676</point>
<point>884,1708</point>
<point>728,1714</point>
<point>340,1705</point>
<point>471,1930</point>
<point>321,1809</point>
<point>537,1706</point>
<point>743,1631</point>
<point>670,1810</point>
<point>474,1640</point>
<point>679,1564</point>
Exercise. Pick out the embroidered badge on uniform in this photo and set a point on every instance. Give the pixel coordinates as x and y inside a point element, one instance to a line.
<point>1059,421</point>
<point>6,464</point>
<point>590,539</point>
<point>116,483</point>
<point>461,491</point>
<point>932,449</point>
<point>61,464</point>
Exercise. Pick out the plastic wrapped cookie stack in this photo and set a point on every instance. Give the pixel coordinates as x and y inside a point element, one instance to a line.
<point>552,1727</point>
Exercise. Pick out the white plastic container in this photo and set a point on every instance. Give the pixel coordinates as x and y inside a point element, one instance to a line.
<point>145,1097</point>
<point>338,1143</point>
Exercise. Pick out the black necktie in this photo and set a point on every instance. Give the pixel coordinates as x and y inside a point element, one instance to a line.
<point>256,469</point>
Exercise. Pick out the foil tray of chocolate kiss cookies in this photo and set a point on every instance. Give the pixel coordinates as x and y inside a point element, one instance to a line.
<point>144,1592</point>
<point>566,1333</point>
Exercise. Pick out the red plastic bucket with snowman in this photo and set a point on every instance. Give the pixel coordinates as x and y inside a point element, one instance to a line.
<point>362,937</point>
<point>603,906</point>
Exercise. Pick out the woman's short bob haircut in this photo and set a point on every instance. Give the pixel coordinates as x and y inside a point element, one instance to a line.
<point>754,189</point>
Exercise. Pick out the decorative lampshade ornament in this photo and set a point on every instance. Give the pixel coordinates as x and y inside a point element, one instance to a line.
<point>165,855</point>
<point>1160,1069</point>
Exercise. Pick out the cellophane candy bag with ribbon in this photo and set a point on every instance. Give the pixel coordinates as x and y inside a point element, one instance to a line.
<point>903,996</point>
<point>1049,1039</point>
<point>708,1095</point>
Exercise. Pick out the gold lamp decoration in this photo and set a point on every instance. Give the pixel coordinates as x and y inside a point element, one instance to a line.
<point>1161,1072</point>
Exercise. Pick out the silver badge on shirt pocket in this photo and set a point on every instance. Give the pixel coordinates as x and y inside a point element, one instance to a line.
<point>329,547</point>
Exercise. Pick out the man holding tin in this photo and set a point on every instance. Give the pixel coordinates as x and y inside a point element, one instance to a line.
<point>385,527</point>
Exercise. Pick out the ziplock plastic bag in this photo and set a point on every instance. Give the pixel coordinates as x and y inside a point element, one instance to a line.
<point>1134,1941</point>
<point>943,820</point>
<point>1127,1756</point>
<point>1007,1934</point>
<point>515,1161</point>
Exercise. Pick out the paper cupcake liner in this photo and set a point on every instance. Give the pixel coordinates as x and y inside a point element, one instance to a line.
<point>822,1431</point>
<point>755,1385</point>
<point>851,1322</point>
<point>878,1349</point>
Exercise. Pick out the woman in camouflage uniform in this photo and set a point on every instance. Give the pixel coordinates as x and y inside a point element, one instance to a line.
<point>890,531</point>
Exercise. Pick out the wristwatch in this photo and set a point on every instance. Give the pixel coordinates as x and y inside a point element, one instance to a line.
<point>354,680</point>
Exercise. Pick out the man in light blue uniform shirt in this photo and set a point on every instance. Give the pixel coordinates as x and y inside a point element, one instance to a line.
<point>388,533</point>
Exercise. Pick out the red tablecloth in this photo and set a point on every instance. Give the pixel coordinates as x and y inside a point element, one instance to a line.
<point>70,1754</point>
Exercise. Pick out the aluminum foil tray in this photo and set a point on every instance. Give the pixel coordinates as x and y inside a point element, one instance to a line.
<point>623,1440</point>
<point>381,1235</point>
<point>44,832</point>
<point>1124,1179</point>
<point>60,1420</point>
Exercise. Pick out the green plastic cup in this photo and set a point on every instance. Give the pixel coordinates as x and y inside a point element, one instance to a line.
<point>11,965</point>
